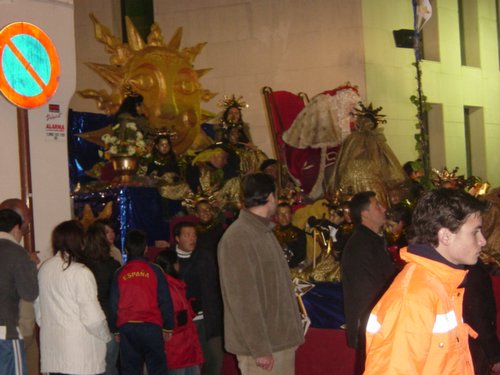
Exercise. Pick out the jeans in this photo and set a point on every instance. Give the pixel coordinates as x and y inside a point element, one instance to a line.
<point>212,348</point>
<point>112,350</point>
<point>139,343</point>
<point>12,357</point>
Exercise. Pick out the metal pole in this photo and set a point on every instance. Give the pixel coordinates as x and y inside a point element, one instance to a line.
<point>25,172</point>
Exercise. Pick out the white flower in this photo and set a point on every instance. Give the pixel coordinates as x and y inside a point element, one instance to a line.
<point>130,143</point>
<point>131,125</point>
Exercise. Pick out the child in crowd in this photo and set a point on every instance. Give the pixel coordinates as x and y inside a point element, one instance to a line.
<point>184,354</point>
<point>141,310</point>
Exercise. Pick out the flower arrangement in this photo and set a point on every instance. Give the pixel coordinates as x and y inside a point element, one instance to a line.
<point>125,140</point>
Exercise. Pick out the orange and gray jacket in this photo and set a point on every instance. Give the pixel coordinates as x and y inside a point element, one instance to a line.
<point>417,326</point>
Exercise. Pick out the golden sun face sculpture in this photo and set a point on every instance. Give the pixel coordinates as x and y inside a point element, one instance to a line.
<point>163,74</point>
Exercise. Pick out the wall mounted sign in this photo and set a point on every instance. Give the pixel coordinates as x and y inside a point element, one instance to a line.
<point>29,65</point>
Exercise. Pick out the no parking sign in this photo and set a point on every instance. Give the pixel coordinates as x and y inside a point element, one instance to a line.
<point>29,65</point>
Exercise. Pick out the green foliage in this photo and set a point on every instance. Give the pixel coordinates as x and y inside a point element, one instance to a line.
<point>422,137</point>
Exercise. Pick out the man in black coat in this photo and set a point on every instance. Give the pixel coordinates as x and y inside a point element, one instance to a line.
<point>481,314</point>
<point>367,269</point>
<point>198,268</point>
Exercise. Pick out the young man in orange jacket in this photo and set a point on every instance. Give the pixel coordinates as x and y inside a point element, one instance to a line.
<point>417,326</point>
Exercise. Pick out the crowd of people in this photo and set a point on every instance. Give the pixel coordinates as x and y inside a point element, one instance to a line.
<point>229,288</point>
<point>413,288</point>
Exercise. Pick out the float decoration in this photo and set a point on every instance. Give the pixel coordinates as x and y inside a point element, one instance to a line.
<point>163,74</point>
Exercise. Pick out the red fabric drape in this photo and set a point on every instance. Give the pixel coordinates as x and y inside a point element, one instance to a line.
<point>303,164</point>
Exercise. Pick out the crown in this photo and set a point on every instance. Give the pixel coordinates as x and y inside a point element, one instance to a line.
<point>476,187</point>
<point>192,200</point>
<point>370,113</point>
<point>232,101</point>
<point>164,133</point>
<point>339,197</point>
<point>445,177</point>
<point>289,195</point>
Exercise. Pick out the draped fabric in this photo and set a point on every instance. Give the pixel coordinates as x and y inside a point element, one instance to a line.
<point>366,162</point>
<point>133,208</point>
<point>325,305</point>
<point>303,164</point>
<point>308,136</point>
<point>82,154</point>
<point>325,121</point>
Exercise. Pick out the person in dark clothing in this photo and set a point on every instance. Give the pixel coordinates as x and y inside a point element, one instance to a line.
<point>415,172</point>
<point>198,268</point>
<point>210,228</point>
<point>291,238</point>
<point>367,269</point>
<point>480,313</point>
<point>17,280</point>
<point>164,159</point>
<point>397,226</point>
<point>103,266</point>
<point>26,311</point>
<point>209,231</point>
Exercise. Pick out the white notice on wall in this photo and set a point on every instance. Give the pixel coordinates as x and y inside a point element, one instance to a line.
<point>55,128</point>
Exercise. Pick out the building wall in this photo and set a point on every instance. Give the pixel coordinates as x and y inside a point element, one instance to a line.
<point>288,45</point>
<point>51,203</point>
<point>390,81</point>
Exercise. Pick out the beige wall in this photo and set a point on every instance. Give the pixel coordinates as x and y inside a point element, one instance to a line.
<point>390,82</point>
<point>88,49</point>
<point>291,45</point>
<point>51,203</point>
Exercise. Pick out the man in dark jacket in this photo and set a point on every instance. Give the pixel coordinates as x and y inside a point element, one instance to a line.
<point>198,268</point>
<point>26,310</point>
<point>481,314</point>
<point>367,269</point>
<point>18,279</point>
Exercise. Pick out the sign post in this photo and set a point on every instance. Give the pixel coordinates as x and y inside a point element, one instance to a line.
<point>29,76</point>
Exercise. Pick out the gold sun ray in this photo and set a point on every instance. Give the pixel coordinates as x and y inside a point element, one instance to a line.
<point>175,41</point>
<point>147,68</point>
<point>134,38</point>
